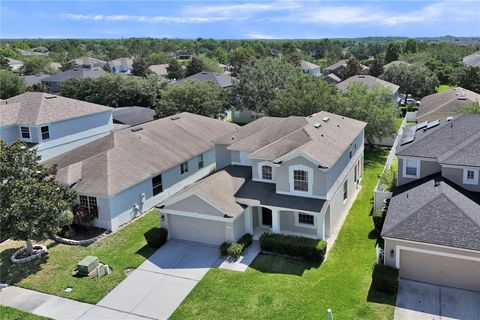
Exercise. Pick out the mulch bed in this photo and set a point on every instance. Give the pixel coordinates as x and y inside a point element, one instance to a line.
<point>80,232</point>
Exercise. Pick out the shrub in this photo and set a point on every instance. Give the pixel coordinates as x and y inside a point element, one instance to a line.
<point>305,248</point>
<point>246,240</point>
<point>224,248</point>
<point>156,237</point>
<point>385,279</point>
<point>378,216</point>
<point>235,250</point>
<point>388,179</point>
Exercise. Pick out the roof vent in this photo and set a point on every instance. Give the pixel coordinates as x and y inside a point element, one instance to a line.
<point>317,125</point>
<point>325,119</point>
<point>361,76</point>
<point>175,118</point>
<point>136,129</point>
<point>50,97</point>
<point>449,118</point>
<point>462,98</point>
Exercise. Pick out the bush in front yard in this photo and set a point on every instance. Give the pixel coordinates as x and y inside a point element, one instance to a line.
<point>246,240</point>
<point>295,246</point>
<point>385,279</point>
<point>156,237</point>
<point>224,248</point>
<point>234,250</point>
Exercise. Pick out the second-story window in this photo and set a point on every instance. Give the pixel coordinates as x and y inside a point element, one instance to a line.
<point>267,173</point>
<point>411,168</point>
<point>184,168</point>
<point>25,131</point>
<point>300,180</point>
<point>45,132</point>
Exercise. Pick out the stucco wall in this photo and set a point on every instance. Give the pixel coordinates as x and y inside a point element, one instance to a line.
<point>9,133</point>
<point>456,176</point>
<point>287,223</point>
<point>426,168</point>
<point>239,227</point>
<point>222,156</point>
<point>319,187</point>
<point>195,205</point>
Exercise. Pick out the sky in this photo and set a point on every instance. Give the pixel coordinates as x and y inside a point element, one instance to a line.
<point>281,19</point>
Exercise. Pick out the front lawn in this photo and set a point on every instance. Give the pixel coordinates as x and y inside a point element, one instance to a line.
<point>282,288</point>
<point>443,87</point>
<point>53,273</point>
<point>7,313</point>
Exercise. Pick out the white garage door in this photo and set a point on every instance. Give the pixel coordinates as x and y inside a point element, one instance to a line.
<point>442,270</point>
<point>198,230</point>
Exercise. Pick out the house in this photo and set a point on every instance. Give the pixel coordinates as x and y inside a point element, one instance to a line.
<point>310,68</point>
<point>127,172</point>
<point>159,69</point>
<point>121,65</point>
<point>472,60</point>
<point>395,63</point>
<point>446,103</point>
<point>52,124</point>
<point>220,79</point>
<point>88,63</point>
<point>133,116</point>
<point>332,78</point>
<point>337,68</point>
<point>54,82</point>
<point>295,175</point>
<point>432,226</point>
<point>35,79</point>
<point>15,65</point>
<point>370,82</point>
<point>31,53</point>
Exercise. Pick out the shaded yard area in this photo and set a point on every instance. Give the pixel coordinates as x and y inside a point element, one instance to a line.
<point>281,288</point>
<point>7,313</point>
<point>126,248</point>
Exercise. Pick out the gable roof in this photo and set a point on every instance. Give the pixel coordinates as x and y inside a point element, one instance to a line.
<point>305,65</point>
<point>335,66</point>
<point>121,62</point>
<point>159,69</point>
<point>129,156</point>
<point>220,79</point>
<point>89,61</point>
<point>34,79</point>
<point>332,78</point>
<point>448,101</point>
<point>370,81</point>
<point>79,73</point>
<point>472,60</point>
<point>36,108</point>
<point>133,115</point>
<point>434,210</point>
<point>450,142</point>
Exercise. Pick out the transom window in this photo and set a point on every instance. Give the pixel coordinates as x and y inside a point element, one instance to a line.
<point>305,219</point>
<point>157,185</point>
<point>411,167</point>
<point>45,132</point>
<point>89,203</point>
<point>300,180</point>
<point>267,173</point>
<point>25,132</point>
<point>184,168</point>
<point>200,161</point>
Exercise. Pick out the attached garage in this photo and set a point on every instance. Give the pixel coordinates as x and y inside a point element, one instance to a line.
<point>195,229</point>
<point>439,268</point>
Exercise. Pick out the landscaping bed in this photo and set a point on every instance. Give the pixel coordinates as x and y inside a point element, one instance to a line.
<point>77,234</point>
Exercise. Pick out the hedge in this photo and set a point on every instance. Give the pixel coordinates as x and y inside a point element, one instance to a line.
<point>378,217</point>
<point>156,237</point>
<point>234,250</point>
<point>295,246</point>
<point>385,279</point>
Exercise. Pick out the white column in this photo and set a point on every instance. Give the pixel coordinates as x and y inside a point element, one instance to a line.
<point>248,220</point>
<point>275,221</point>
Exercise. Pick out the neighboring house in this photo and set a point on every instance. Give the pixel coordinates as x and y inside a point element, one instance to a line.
<point>310,68</point>
<point>183,55</point>
<point>472,60</point>
<point>395,63</point>
<point>133,115</point>
<point>52,124</point>
<point>88,63</point>
<point>121,65</point>
<point>15,65</point>
<point>54,82</point>
<point>159,69</point>
<point>295,175</point>
<point>432,227</point>
<point>370,82</point>
<point>446,103</point>
<point>337,68</point>
<point>35,79</point>
<point>332,78</point>
<point>31,53</point>
<point>220,79</point>
<point>129,171</point>
<point>243,116</point>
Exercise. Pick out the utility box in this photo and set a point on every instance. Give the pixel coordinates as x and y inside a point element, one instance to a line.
<point>87,265</point>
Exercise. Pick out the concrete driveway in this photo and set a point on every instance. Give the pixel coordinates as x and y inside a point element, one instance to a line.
<point>422,301</point>
<point>161,283</point>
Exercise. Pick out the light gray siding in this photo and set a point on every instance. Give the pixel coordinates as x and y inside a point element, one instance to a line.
<point>426,168</point>
<point>235,156</point>
<point>319,188</point>
<point>239,227</point>
<point>222,156</point>
<point>456,176</point>
<point>9,133</point>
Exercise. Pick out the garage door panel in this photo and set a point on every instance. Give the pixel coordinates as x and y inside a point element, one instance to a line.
<point>438,269</point>
<point>194,229</point>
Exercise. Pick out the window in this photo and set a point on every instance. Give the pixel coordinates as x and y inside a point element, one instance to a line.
<point>350,154</point>
<point>89,203</point>
<point>45,133</point>
<point>300,180</point>
<point>470,176</point>
<point>157,185</point>
<point>345,190</point>
<point>267,173</point>
<point>410,168</point>
<point>200,162</point>
<point>305,219</point>
<point>25,132</point>
<point>184,168</point>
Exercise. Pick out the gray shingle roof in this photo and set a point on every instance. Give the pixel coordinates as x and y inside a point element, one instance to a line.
<point>369,81</point>
<point>126,157</point>
<point>473,59</point>
<point>133,115</point>
<point>220,79</point>
<point>35,108</point>
<point>434,210</point>
<point>34,79</point>
<point>305,65</point>
<point>335,66</point>
<point>159,69</point>
<point>76,74</point>
<point>448,101</point>
<point>332,78</point>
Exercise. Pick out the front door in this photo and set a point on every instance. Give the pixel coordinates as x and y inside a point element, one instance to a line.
<point>266,217</point>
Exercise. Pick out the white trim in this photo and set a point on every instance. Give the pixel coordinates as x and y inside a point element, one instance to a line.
<point>404,169</point>
<point>260,175</point>
<point>418,158</point>
<point>437,253</point>
<point>29,133</point>
<point>475,176</point>
<point>430,244</point>
<point>195,215</point>
<point>457,166</point>
<point>297,154</point>
<point>304,225</point>
<point>309,171</point>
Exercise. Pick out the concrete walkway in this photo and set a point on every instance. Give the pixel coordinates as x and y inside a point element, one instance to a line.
<point>423,301</point>
<point>242,263</point>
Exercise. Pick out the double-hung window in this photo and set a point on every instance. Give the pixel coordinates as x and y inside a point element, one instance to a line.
<point>25,131</point>
<point>267,173</point>
<point>470,176</point>
<point>45,132</point>
<point>411,168</point>
<point>300,180</point>
<point>184,168</point>
<point>157,185</point>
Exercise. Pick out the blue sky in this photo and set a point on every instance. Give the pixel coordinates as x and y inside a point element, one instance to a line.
<point>237,19</point>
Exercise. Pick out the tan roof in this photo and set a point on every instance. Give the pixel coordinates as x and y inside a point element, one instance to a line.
<point>35,108</point>
<point>159,69</point>
<point>369,81</point>
<point>247,130</point>
<point>447,102</point>
<point>129,156</point>
<point>308,65</point>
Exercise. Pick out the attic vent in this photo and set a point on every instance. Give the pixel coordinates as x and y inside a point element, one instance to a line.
<point>325,119</point>
<point>136,129</point>
<point>175,118</point>
<point>462,98</point>
<point>317,125</point>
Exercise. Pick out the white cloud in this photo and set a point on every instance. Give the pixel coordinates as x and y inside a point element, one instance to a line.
<point>134,18</point>
<point>240,10</point>
<point>258,35</point>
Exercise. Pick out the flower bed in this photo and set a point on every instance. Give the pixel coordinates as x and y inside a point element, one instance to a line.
<point>79,235</point>
<point>39,250</point>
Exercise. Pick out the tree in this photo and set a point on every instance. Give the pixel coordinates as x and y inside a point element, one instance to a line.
<point>38,87</point>
<point>4,64</point>
<point>175,70</point>
<point>139,67</point>
<point>11,84</point>
<point>241,57</point>
<point>195,66</point>
<point>294,58</point>
<point>353,68</point>
<point>469,78</point>
<point>221,55</point>
<point>393,52</point>
<point>410,46</point>
<point>376,68</point>
<point>156,58</point>
<point>67,65</point>
<point>7,52</point>
<point>36,65</point>
<point>204,98</point>
<point>473,108</point>
<point>413,79</point>
<point>33,204</point>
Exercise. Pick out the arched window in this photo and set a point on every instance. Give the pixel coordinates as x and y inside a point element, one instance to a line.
<point>267,173</point>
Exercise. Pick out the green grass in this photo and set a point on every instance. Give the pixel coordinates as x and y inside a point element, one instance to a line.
<point>443,87</point>
<point>398,123</point>
<point>7,313</point>
<point>281,288</point>
<point>53,273</point>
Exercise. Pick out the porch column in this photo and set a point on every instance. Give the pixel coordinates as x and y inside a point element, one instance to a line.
<point>248,220</point>
<point>275,221</point>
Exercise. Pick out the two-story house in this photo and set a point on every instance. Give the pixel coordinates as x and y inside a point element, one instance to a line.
<point>52,124</point>
<point>121,65</point>
<point>295,175</point>
<point>432,226</point>
<point>127,172</point>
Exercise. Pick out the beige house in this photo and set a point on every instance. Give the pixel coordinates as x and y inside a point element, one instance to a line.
<point>295,175</point>
<point>432,227</point>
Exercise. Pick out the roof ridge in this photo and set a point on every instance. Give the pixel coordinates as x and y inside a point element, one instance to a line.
<point>459,147</point>
<point>275,141</point>
<point>459,208</point>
